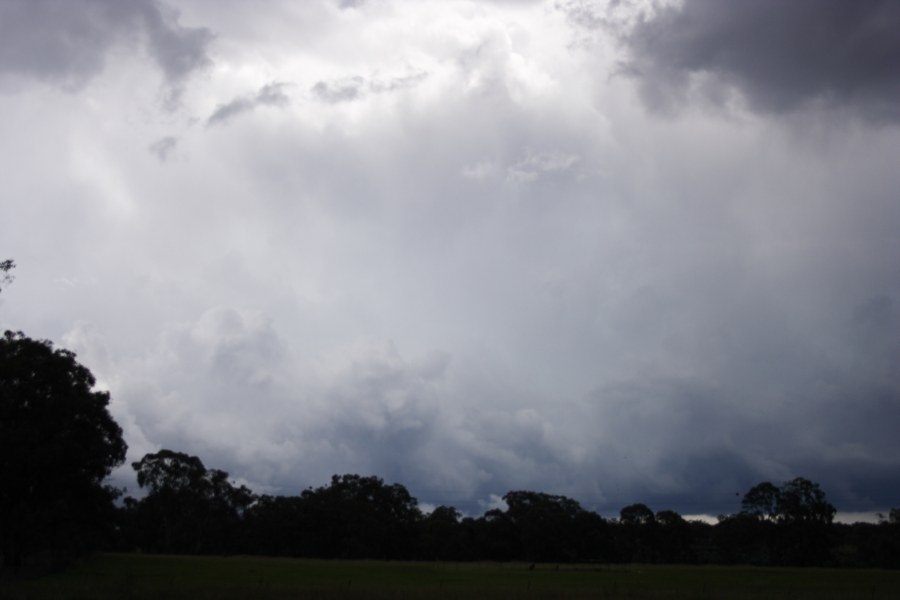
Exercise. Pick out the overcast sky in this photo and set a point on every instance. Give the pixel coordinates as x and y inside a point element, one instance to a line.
<point>621,252</point>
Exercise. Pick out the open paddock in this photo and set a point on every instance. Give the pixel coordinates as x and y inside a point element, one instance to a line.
<point>147,577</point>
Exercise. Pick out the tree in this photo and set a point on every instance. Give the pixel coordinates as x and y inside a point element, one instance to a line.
<point>761,501</point>
<point>803,500</point>
<point>58,443</point>
<point>797,500</point>
<point>673,539</point>
<point>546,525</point>
<point>5,276</point>
<point>636,514</point>
<point>636,534</point>
<point>788,524</point>
<point>361,517</point>
<point>189,508</point>
<point>275,526</point>
<point>440,537</point>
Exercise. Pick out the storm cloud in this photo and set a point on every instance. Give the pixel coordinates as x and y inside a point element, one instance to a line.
<point>68,43</point>
<point>781,56</point>
<point>465,253</point>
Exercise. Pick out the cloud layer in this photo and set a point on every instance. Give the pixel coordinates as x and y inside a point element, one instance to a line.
<point>782,57</point>
<point>67,44</point>
<point>451,245</point>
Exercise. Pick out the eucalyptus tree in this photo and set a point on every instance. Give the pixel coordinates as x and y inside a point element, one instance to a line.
<point>58,444</point>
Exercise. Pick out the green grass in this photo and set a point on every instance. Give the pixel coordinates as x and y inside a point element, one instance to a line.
<point>139,577</point>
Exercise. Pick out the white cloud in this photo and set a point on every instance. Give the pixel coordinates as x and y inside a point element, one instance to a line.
<point>479,171</point>
<point>537,164</point>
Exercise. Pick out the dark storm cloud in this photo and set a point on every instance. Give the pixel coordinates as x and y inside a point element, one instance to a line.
<point>271,94</point>
<point>780,55</point>
<point>66,43</point>
<point>697,447</point>
<point>537,287</point>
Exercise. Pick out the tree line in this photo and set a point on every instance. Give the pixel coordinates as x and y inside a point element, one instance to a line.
<point>190,509</point>
<point>58,445</point>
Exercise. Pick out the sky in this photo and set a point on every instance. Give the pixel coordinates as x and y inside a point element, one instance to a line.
<point>621,251</point>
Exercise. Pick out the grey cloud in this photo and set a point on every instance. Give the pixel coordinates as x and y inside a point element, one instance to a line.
<point>271,94</point>
<point>348,89</point>
<point>781,56</point>
<point>179,51</point>
<point>397,83</point>
<point>339,90</point>
<point>587,14</point>
<point>163,147</point>
<point>696,445</point>
<point>59,42</point>
<point>66,43</point>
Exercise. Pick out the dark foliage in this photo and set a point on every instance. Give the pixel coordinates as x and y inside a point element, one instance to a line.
<point>188,508</point>
<point>6,276</point>
<point>352,517</point>
<point>195,510</point>
<point>58,443</point>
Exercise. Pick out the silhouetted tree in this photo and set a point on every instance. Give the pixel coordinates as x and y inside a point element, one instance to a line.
<point>636,514</point>
<point>592,539</point>
<point>806,517</point>
<point>801,517</point>
<point>441,535</point>
<point>673,538</point>
<point>762,501</point>
<point>801,500</point>
<point>361,517</point>
<point>277,526</point>
<point>496,537</point>
<point>744,538</point>
<point>545,525</point>
<point>636,535</point>
<point>798,500</point>
<point>188,508</point>
<point>58,443</point>
<point>5,276</point>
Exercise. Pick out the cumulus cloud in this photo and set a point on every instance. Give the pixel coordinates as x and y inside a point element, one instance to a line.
<point>780,56</point>
<point>67,44</point>
<point>434,284</point>
<point>271,94</point>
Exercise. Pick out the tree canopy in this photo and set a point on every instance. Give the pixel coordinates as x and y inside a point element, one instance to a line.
<point>58,443</point>
<point>188,508</point>
<point>195,510</point>
<point>797,500</point>
<point>5,276</point>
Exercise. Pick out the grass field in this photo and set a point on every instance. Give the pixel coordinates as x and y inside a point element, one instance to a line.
<point>139,577</point>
